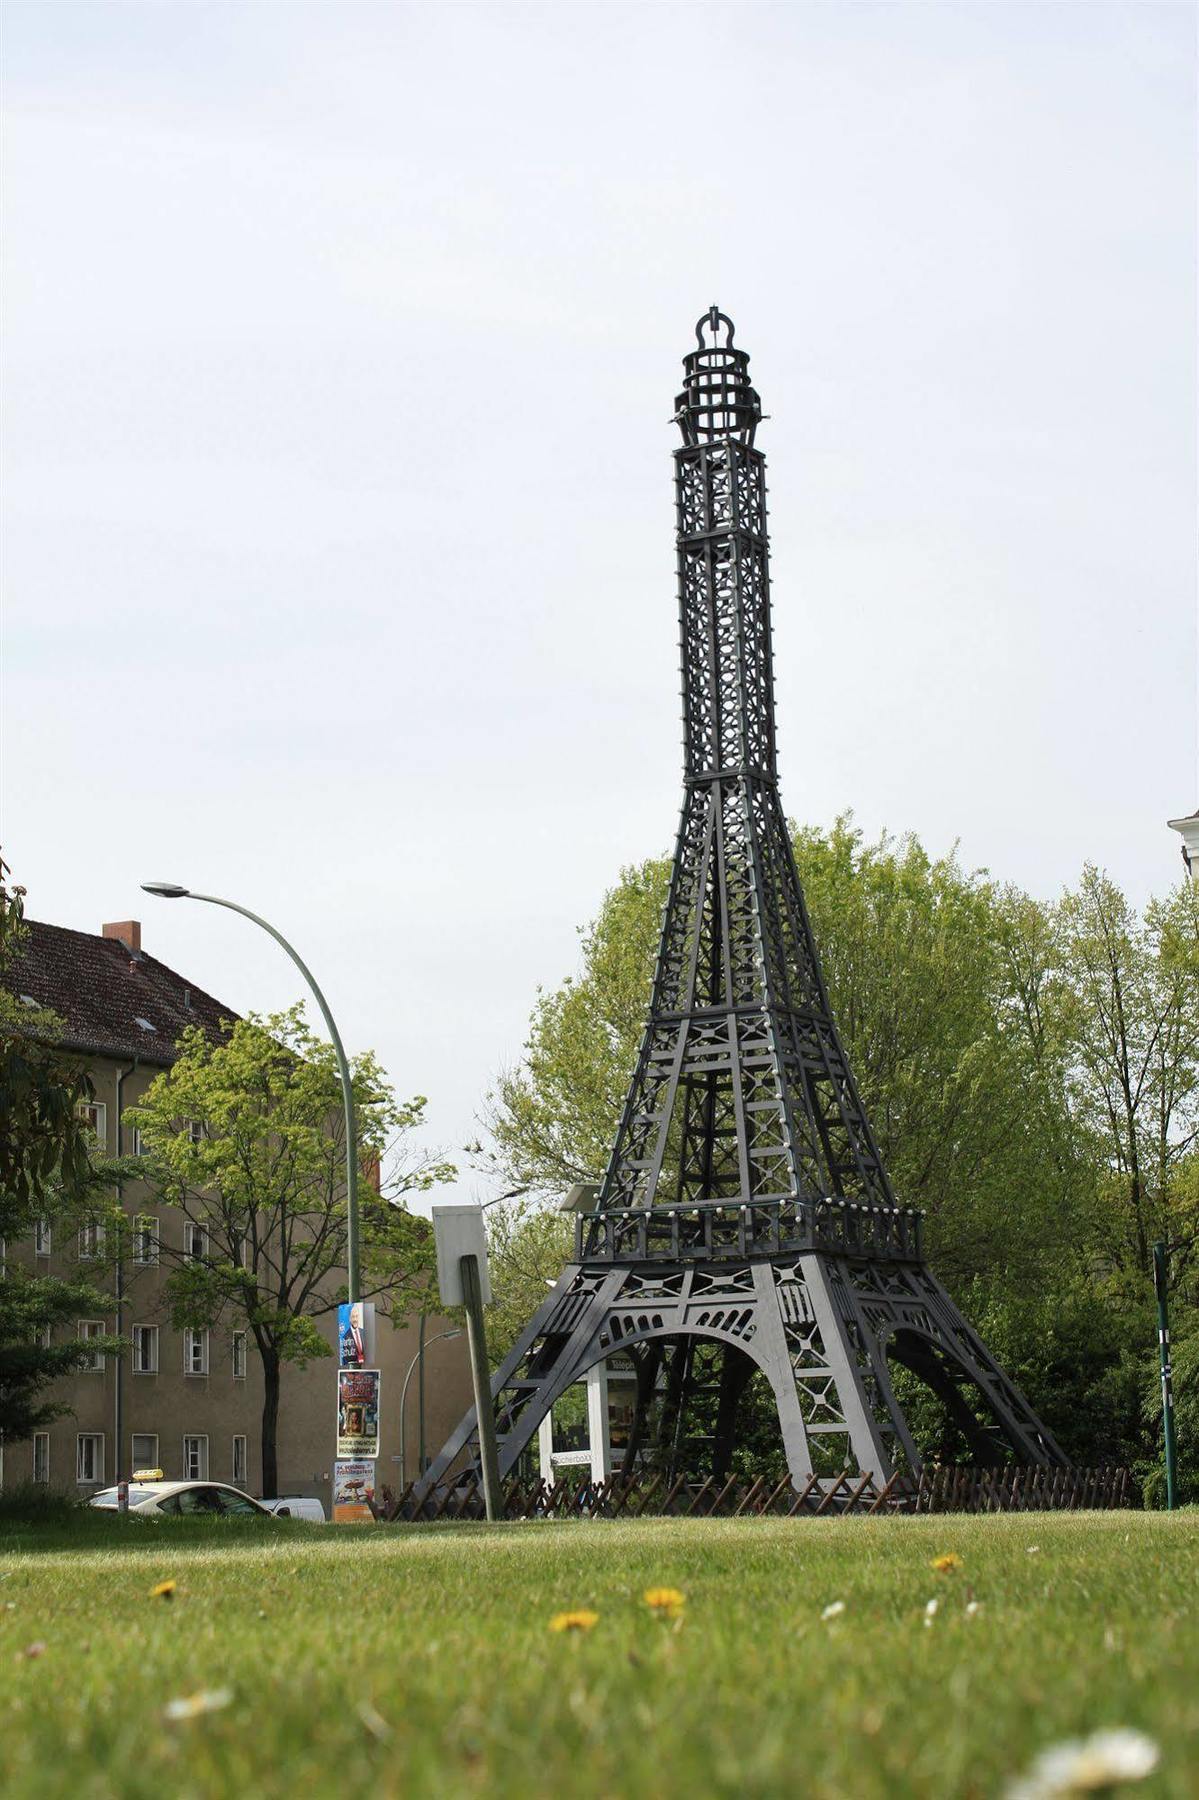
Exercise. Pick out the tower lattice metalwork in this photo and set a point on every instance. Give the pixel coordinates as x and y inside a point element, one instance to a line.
<point>746,1218</point>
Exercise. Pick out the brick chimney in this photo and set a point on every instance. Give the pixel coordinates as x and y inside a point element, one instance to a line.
<point>127,932</point>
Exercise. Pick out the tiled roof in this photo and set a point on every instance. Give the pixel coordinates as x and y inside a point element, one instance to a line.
<point>101,990</point>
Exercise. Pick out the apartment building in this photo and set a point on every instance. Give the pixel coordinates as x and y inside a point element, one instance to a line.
<point>187,1402</point>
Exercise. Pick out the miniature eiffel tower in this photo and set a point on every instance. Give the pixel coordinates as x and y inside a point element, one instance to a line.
<point>746,1219</point>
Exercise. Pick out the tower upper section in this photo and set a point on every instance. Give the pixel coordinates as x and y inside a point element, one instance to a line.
<point>717,400</point>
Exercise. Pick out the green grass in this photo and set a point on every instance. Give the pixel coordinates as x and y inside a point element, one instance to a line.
<point>418,1661</point>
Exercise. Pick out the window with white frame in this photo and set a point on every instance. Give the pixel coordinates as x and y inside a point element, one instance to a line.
<point>145,1349</point>
<point>195,1130</point>
<point>240,1462</point>
<point>89,1329</point>
<point>238,1355</point>
<point>145,1240</point>
<point>195,1458</point>
<point>43,1336</point>
<point>195,1241</point>
<point>241,1251</point>
<point>89,1456</point>
<point>91,1241</point>
<point>137,1143</point>
<point>195,1352</point>
<point>94,1114</point>
<point>42,1238</point>
<point>143,1450</point>
<point>41,1456</point>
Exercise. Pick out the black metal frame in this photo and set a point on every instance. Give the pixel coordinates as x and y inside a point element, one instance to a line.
<point>745,1199</point>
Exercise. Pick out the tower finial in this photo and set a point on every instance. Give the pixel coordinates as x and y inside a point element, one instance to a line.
<point>711,321</point>
<point>717,399</point>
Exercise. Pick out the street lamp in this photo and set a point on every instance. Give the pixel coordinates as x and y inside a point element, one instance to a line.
<point>455,1332</point>
<point>170,890</point>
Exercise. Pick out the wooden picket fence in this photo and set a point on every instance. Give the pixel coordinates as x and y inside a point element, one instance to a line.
<point>934,1490</point>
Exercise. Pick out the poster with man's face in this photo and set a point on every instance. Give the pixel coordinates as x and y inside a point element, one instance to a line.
<point>358,1414</point>
<point>355,1321</point>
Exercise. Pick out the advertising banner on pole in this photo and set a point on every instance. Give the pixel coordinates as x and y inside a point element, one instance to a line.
<point>358,1414</point>
<point>353,1489</point>
<point>355,1334</point>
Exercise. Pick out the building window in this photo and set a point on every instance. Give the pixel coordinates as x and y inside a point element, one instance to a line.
<point>144,1447</point>
<point>41,1456</point>
<point>41,1238</point>
<point>91,1241</point>
<point>195,1352</point>
<point>43,1336</point>
<point>145,1240</point>
<point>88,1329</point>
<point>194,1244</point>
<point>195,1459</point>
<point>241,1251</point>
<point>89,1456</point>
<point>94,1114</point>
<point>145,1349</point>
<point>239,1356</point>
<point>195,1130</point>
<point>240,1462</point>
<point>137,1143</point>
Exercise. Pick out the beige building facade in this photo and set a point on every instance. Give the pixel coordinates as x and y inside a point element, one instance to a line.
<point>187,1402</point>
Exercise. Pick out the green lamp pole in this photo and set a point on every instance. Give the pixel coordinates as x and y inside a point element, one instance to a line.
<point>1160,1283</point>
<point>170,890</point>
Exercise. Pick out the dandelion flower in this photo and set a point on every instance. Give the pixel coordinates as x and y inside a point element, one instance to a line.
<point>945,1565</point>
<point>834,1610</point>
<point>667,1603</point>
<point>574,1621</point>
<point>1088,1765</point>
<point>972,1607</point>
<point>930,1611</point>
<point>163,1590</point>
<point>193,1706</point>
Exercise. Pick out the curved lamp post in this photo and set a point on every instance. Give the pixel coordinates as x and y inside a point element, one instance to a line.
<point>170,890</point>
<point>455,1332</point>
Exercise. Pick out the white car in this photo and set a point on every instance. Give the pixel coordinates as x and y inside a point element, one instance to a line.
<point>213,1499</point>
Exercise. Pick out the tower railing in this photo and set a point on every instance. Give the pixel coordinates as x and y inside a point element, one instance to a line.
<point>726,1230</point>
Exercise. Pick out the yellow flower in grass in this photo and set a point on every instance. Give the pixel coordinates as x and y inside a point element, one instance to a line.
<point>666,1603</point>
<point>945,1565</point>
<point>163,1590</point>
<point>582,1620</point>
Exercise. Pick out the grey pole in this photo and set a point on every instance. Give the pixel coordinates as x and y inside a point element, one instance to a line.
<point>417,1359</point>
<point>472,1293</point>
<point>1161,1282</point>
<point>169,890</point>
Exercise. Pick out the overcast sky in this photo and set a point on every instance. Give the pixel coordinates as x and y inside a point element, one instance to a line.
<point>340,346</point>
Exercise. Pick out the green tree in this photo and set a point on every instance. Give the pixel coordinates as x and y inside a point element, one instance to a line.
<point>1031,1074</point>
<point>46,1173</point>
<point>527,1245</point>
<point>1127,1010</point>
<point>245,1139</point>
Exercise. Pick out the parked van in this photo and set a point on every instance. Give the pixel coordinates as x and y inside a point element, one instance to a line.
<point>296,1506</point>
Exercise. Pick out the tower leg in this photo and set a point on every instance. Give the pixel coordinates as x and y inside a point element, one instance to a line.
<point>555,1348</point>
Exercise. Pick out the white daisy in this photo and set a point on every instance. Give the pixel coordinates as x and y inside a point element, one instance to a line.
<point>1088,1765</point>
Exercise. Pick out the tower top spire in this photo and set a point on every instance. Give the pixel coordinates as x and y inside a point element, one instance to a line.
<point>717,400</point>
